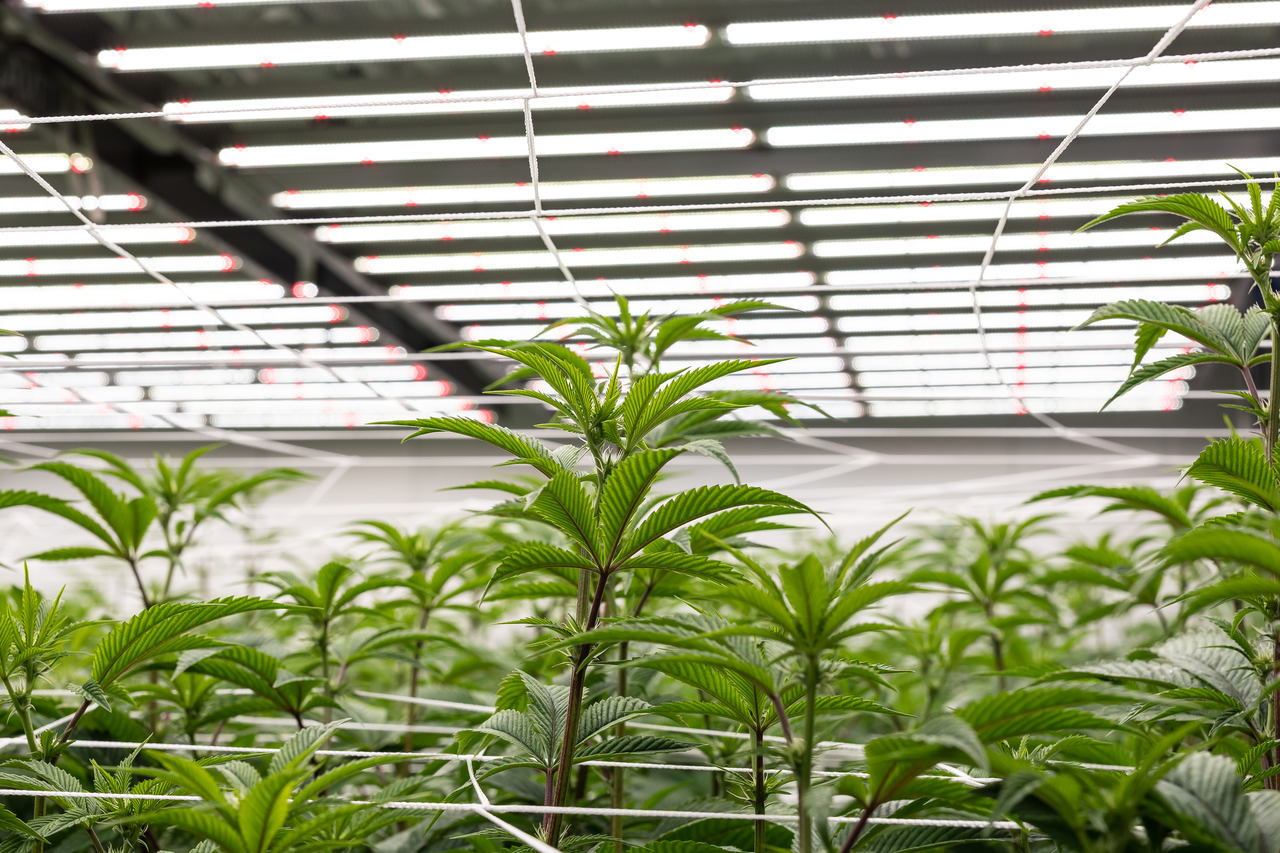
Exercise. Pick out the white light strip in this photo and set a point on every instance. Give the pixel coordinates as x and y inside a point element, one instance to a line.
<point>443,102</point>
<point>1143,269</point>
<point>72,297</point>
<point>1043,23</point>
<point>485,147</point>
<point>1125,171</point>
<point>48,164</point>
<point>968,342</point>
<point>201,339</point>
<point>868,365</point>
<point>298,391</point>
<point>1171,402</point>
<point>1229,72</point>
<point>51,379</point>
<point>258,355</point>
<point>48,204</point>
<point>1021,127</point>
<point>348,419</point>
<point>479,311</point>
<point>1021,375</point>
<point>1198,294</point>
<point>482,261</point>
<point>34,267</point>
<point>35,395</point>
<point>1038,319</point>
<point>650,223</point>
<point>372,373</point>
<point>11,121</point>
<point>366,407</point>
<point>64,6</point>
<point>163,319</point>
<point>220,376</point>
<point>127,235</point>
<point>639,188</point>
<point>1099,390</point>
<point>757,283</point>
<point>1041,241</point>
<point>747,327</point>
<point>402,48</point>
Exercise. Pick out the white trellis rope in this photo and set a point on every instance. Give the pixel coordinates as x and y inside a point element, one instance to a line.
<point>1061,429</point>
<point>519,808</point>
<point>357,101</point>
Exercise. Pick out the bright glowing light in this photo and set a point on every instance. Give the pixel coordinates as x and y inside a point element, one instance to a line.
<point>1169,401</point>
<point>49,204</point>
<point>370,373</point>
<point>234,357</point>
<point>768,283</point>
<point>56,6</point>
<point>1143,269</point>
<point>480,311</point>
<point>744,327</point>
<point>402,48</point>
<point>1020,127</point>
<point>1198,294</point>
<point>298,391</point>
<point>978,243</point>
<point>1038,22</point>
<point>222,338</point>
<point>1124,171</point>
<point>977,82</point>
<point>342,414</point>
<point>922,362</point>
<point>11,121</point>
<point>434,103</point>
<point>36,394</point>
<point>71,297</point>
<point>47,164</point>
<point>646,223</point>
<point>485,147</point>
<point>207,376</point>
<point>32,267</point>
<point>481,261</point>
<point>54,379</point>
<point>1109,374</point>
<point>969,342</point>
<point>163,319</point>
<point>1038,319</point>
<point>125,235</point>
<point>520,192</point>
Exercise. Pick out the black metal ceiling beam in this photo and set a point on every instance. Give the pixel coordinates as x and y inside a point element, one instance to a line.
<point>43,76</point>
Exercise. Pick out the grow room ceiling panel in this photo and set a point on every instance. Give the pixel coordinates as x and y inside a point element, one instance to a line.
<point>285,204</point>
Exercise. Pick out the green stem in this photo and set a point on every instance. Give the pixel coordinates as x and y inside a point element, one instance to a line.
<point>553,824</point>
<point>1273,393</point>
<point>22,706</point>
<point>137,578</point>
<point>760,792</point>
<point>323,644</point>
<point>804,769</point>
<point>95,840</point>
<point>617,781</point>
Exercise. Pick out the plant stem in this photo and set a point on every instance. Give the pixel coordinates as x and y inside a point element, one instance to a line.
<point>804,768</point>
<point>137,578</point>
<point>22,705</point>
<point>411,709</point>
<point>95,840</point>
<point>760,792</point>
<point>1274,781</point>
<point>1273,394</point>
<point>552,824</point>
<point>857,829</point>
<point>617,781</point>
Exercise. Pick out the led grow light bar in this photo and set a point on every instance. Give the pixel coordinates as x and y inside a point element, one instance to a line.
<point>1169,401</point>
<point>645,223</point>
<point>402,48</point>
<point>639,188</point>
<point>163,319</point>
<point>1125,171</point>
<point>1041,241</point>
<point>299,391</point>
<point>977,82</point>
<point>34,267</point>
<point>256,353</point>
<point>1039,22</point>
<point>969,342</point>
<point>1110,374</point>
<point>1037,319</point>
<point>221,338</point>
<point>482,261</point>
<point>868,365</point>
<point>1198,294</point>
<point>11,121</point>
<point>48,164</point>
<point>127,235</point>
<point>1020,127</point>
<point>924,213</point>
<point>478,311</point>
<point>49,204</point>
<point>1099,390</point>
<point>1138,269</point>
<point>72,297</point>
<point>681,285</point>
<point>746,327</point>
<point>443,102</point>
<point>64,6</point>
<point>485,147</point>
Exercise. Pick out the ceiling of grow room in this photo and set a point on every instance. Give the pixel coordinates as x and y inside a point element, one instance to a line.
<point>291,201</point>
